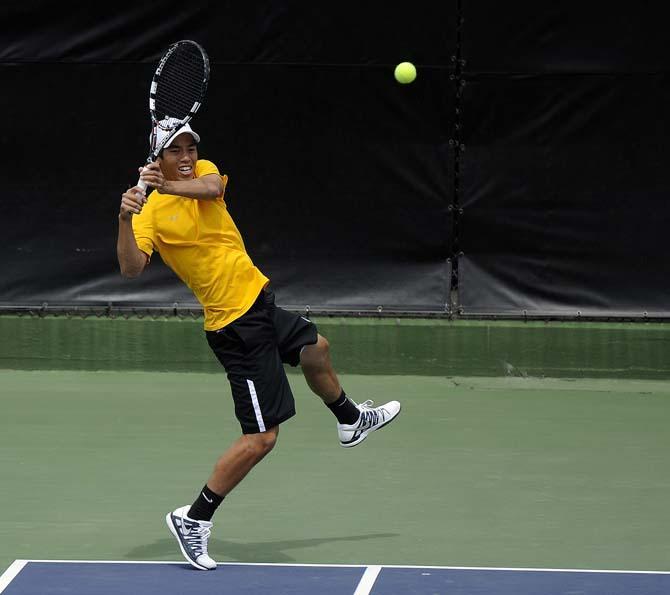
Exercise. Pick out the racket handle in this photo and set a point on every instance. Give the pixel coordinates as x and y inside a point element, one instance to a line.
<point>141,183</point>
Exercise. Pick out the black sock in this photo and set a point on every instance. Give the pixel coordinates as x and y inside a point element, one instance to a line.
<point>205,505</point>
<point>345,411</point>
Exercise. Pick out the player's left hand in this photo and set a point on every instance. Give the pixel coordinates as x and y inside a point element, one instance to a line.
<point>152,175</point>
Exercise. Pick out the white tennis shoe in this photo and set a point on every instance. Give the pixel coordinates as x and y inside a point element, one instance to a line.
<point>192,536</point>
<point>371,419</point>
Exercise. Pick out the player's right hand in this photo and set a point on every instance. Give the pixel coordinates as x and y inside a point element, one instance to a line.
<point>132,201</point>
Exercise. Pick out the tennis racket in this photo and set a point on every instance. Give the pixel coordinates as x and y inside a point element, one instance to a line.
<point>177,91</point>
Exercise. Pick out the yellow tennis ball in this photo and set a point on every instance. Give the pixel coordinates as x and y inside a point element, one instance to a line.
<point>405,72</point>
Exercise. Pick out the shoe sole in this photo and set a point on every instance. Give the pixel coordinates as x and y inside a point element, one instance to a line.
<point>173,530</point>
<point>364,435</point>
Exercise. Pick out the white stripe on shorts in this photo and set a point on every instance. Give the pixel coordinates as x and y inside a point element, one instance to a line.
<point>257,407</point>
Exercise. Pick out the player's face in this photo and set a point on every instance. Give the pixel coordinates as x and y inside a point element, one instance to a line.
<point>178,160</point>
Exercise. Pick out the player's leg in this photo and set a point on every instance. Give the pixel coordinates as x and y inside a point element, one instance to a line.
<point>234,464</point>
<point>300,343</point>
<point>318,370</point>
<point>248,350</point>
<point>191,525</point>
<point>355,422</point>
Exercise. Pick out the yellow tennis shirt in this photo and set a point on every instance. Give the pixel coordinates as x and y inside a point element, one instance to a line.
<point>199,241</point>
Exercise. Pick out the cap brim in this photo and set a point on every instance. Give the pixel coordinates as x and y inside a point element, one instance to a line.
<point>184,130</point>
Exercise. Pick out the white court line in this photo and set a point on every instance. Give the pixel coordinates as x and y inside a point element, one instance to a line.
<point>185,563</point>
<point>368,580</point>
<point>588,570</point>
<point>10,574</point>
<point>591,570</point>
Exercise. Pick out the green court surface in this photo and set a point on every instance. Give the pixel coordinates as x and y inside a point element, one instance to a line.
<point>481,469</point>
<point>361,346</point>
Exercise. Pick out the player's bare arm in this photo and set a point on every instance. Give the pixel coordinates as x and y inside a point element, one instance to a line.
<point>131,259</point>
<point>174,173</point>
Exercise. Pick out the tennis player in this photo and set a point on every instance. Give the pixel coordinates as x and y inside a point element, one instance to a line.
<point>186,221</point>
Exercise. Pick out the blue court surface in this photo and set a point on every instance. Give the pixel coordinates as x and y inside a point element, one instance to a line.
<point>33,577</point>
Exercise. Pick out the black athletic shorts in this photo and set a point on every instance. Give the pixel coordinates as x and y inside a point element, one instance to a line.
<point>253,349</point>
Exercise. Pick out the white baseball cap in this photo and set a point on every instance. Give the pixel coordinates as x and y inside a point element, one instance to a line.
<point>165,127</point>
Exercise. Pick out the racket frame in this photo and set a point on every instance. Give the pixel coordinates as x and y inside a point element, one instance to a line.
<point>178,124</point>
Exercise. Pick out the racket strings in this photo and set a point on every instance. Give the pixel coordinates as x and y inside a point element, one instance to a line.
<point>182,83</point>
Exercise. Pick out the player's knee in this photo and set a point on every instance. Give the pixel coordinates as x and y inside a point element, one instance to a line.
<point>262,443</point>
<point>322,345</point>
<point>268,441</point>
<point>316,355</point>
